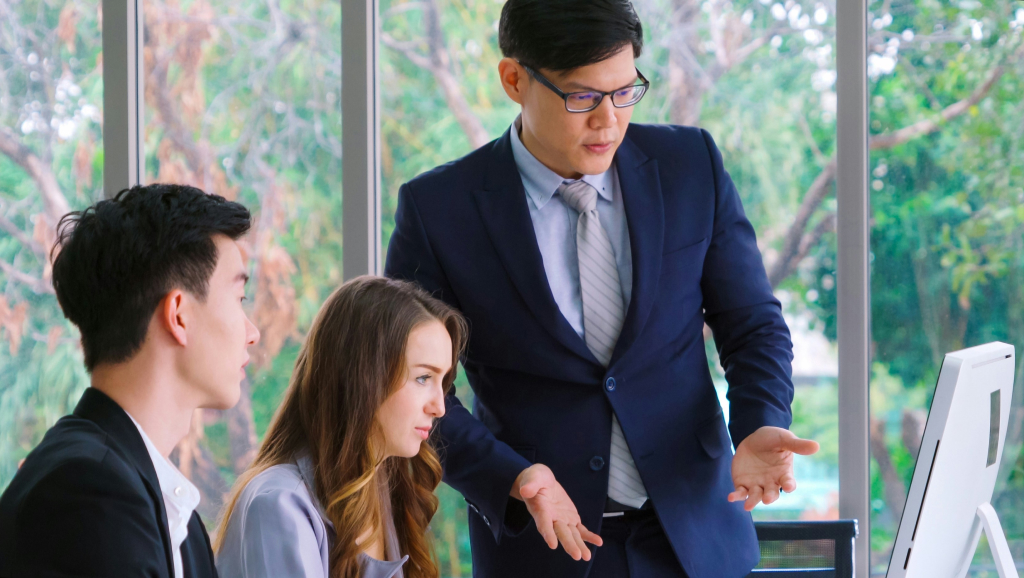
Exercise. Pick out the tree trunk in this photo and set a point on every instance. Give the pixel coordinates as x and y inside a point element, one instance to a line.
<point>686,81</point>
<point>913,429</point>
<point>895,494</point>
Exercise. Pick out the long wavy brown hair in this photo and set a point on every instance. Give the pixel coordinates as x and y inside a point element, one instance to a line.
<point>352,360</point>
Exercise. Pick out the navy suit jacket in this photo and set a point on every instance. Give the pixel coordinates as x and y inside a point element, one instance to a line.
<point>87,502</point>
<point>463,232</point>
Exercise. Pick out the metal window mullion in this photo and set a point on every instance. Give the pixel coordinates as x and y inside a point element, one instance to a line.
<point>123,90</point>
<point>853,272</point>
<point>360,127</point>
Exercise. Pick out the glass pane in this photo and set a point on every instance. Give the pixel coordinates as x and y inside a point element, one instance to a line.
<point>759,76</point>
<point>51,162</point>
<point>242,100</point>
<point>947,260</point>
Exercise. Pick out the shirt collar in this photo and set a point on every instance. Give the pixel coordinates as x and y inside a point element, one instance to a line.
<point>176,489</point>
<point>540,182</point>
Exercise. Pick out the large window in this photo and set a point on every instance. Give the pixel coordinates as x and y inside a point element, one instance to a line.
<point>440,100</point>
<point>51,161</point>
<point>243,100</point>
<point>760,77</point>
<point>947,161</point>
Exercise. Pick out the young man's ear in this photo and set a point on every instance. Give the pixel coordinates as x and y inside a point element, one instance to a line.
<point>172,315</point>
<point>513,79</point>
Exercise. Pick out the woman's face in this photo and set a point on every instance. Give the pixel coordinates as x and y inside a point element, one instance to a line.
<point>408,414</point>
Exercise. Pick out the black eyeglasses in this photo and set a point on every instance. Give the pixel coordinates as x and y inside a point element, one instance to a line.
<point>591,99</point>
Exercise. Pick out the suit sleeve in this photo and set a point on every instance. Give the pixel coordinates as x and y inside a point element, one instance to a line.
<point>475,463</point>
<point>83,520</point>
<point>745,318</point>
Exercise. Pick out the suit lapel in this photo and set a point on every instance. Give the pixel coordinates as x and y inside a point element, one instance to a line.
<point>196,551</point>
<point>645,218</point>
<point>502,206</point>
<point>97,407</point>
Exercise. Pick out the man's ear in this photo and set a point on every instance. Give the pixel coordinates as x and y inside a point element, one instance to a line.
<point>513,79</point>
<point>173,315</point>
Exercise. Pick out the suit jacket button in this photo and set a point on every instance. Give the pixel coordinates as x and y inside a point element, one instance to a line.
<point>596,463</point>
<point>609,384</point>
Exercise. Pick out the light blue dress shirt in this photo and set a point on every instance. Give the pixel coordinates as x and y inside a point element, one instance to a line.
<point>554,223</point>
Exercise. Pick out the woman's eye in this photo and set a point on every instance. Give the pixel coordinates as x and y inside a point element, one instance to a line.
<point>422,380</point>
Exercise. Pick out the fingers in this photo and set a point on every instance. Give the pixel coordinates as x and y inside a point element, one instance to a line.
<point>771,494</point>
<point>589,536</point>
<point>572,537</point>
<point>800,446</point>
<point>529,490</point>
<point>547,531</point>
<point>568,542</point>
<point>754,498</point>
<point>739,494</point>
<point>584,551</point>
<point>533,480</point>
<point>788,484</point>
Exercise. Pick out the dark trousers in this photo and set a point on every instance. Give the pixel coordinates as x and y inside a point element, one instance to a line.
<point>635,546</point>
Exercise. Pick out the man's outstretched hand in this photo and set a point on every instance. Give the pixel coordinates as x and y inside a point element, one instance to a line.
<point>555,514</point>
<point>763,465</point>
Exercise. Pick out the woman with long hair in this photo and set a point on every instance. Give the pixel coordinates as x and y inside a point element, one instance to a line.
<point>343,484</point>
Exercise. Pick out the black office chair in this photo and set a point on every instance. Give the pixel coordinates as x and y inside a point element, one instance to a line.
<point>806,549</point>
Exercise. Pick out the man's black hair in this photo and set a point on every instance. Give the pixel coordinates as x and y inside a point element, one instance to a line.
<point>118,258</point>
<point>562,35</point>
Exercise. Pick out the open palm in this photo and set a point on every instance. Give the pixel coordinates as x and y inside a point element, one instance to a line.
<point>763,465</point>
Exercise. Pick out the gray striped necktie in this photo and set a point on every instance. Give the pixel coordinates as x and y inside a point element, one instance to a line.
<point>603,314</point>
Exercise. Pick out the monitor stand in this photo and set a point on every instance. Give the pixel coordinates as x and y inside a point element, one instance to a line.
<point>996,540</point>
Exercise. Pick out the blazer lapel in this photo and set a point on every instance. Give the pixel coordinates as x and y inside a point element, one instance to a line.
<point>502,206</point>
<point>645,218</point>
<point>97,407</point>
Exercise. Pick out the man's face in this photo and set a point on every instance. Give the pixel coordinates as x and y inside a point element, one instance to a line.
<point>581,143</point>
<point>220,332</point>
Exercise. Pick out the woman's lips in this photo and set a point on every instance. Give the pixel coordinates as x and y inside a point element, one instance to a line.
<point>424,432</point>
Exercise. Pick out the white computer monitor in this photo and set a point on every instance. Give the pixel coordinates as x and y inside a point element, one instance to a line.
<point>948,505</point>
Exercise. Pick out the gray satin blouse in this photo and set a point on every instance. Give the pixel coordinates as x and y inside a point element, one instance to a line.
<point>279,529</point>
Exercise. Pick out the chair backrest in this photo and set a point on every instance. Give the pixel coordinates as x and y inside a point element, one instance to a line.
<point>819,549</point>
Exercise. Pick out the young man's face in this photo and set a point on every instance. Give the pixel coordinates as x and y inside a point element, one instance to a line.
<point>581,143</point>
<point>221,334</point>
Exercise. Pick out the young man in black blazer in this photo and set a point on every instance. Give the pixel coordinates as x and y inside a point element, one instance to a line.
<point>154,280</point>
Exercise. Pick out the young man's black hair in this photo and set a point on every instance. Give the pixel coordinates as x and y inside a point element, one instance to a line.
<point>566,34</point>
<point>118,258</point>
<point>154,279</point>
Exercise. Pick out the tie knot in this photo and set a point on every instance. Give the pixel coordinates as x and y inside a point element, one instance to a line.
<point>579,195</point>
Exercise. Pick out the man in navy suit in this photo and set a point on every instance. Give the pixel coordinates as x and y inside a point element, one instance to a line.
<point>588,253</point>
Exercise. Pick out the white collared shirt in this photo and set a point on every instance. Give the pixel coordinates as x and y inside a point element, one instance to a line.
<point>180,498</point>
<point>554,223</point>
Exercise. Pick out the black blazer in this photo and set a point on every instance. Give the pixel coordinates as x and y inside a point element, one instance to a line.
<point>87,502</point>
